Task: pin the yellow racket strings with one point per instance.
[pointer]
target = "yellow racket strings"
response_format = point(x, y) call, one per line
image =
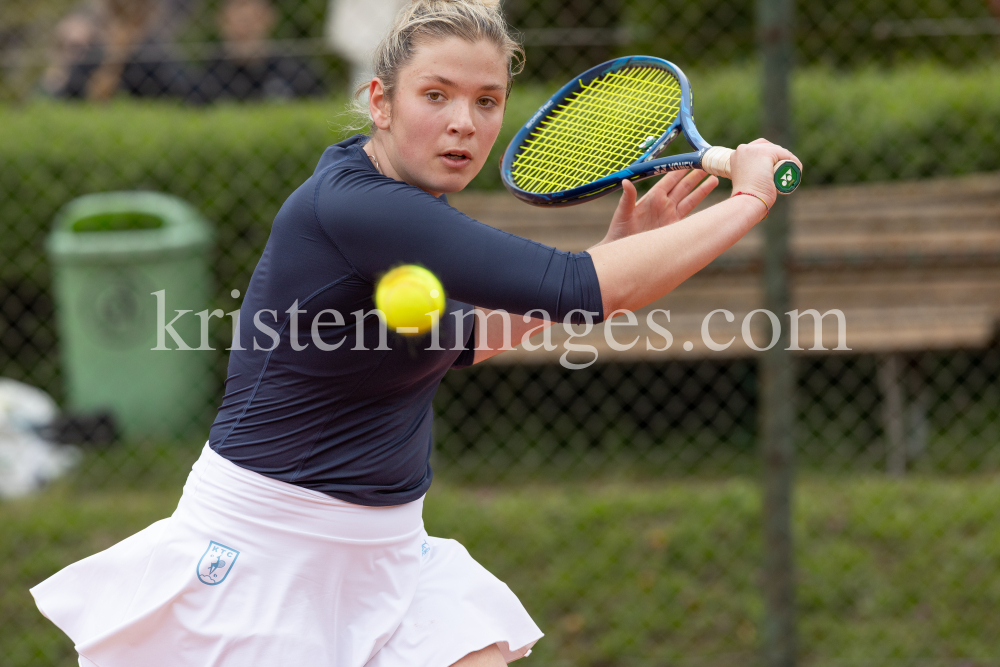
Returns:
point(598, 130)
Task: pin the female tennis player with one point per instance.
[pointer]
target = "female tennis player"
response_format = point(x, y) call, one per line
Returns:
point(298, 539)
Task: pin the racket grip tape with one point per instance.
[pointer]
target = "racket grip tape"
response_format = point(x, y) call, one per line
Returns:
point(787, 174)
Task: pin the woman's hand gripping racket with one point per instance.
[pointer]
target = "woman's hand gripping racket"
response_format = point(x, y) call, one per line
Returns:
point(610, 124)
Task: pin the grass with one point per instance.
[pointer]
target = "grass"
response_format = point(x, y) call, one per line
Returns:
point(891, 572)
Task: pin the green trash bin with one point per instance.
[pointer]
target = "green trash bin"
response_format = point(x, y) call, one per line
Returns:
point(124, 264)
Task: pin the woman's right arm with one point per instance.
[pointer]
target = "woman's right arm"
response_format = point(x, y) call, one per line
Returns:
point(636, 270)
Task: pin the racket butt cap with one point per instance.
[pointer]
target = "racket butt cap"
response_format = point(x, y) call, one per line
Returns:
point(787, 177)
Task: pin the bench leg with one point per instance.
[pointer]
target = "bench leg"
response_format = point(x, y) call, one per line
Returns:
point(916, 411)
point(890, 367)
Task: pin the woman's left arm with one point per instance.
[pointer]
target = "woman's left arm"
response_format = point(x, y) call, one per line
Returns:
point(673, 197)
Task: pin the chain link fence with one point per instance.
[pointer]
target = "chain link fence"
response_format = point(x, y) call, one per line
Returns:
point(619, 500)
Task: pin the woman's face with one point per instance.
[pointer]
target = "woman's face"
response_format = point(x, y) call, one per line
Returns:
point(445, 114)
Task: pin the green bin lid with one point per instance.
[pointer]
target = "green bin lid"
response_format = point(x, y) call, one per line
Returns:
point(110, 226)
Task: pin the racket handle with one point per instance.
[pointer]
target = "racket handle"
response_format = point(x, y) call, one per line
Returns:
point(787, 174)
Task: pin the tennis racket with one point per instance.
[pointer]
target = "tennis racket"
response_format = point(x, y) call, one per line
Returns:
point(610, 124)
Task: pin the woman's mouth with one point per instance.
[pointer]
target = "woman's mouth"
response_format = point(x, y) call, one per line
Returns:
point(456, 158)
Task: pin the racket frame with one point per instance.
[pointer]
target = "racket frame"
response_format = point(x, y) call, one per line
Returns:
point(646, 166)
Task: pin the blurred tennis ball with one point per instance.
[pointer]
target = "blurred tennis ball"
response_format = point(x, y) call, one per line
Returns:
point(410, 295)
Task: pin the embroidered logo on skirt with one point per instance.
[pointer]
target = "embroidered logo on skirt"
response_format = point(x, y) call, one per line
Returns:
point(216, 563)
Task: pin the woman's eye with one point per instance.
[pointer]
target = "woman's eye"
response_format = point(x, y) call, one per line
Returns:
point(434, 97)
point(486, 102)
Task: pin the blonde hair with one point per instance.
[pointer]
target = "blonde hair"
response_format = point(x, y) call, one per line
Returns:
point(471, 20)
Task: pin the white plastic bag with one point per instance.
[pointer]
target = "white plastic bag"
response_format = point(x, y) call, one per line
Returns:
point(27, 461)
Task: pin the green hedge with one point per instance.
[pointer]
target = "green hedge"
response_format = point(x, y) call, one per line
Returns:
point(839, 33)
point(831, 32)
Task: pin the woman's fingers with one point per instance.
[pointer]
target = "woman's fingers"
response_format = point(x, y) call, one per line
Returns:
point(623, 222)
point(687, 184)
point(626, 205)
point(673, 197)
point(688, 204)
point(784, 154)
point(667, 183)
point(671, 189)
point(780, 152)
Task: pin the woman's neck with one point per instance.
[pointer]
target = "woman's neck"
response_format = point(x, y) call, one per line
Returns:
point(376, 153)
point(379, 157)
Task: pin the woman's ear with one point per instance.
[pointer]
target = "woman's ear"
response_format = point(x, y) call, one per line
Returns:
point(378, 104)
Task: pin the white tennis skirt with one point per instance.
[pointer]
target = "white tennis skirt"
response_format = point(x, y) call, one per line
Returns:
point(252, 571)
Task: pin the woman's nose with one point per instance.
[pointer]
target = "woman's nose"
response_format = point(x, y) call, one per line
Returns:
point(461, 120)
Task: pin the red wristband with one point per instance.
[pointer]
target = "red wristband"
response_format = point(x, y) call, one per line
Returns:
point(766, 207)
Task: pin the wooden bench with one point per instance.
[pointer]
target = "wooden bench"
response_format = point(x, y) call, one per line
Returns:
point(913, 266)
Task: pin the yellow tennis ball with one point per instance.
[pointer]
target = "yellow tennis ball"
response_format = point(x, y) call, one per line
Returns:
point(410, 296)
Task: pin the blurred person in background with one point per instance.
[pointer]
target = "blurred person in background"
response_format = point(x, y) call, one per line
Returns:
point(130, 46)
point(105, 46)
point(246, 69)
point(127, 22)
point(75, 53)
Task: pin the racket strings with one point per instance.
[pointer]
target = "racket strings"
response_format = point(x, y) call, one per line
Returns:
point(599, 130)
point(610, 135)
point(589, 130)
point(584, 164)
point(602, 111)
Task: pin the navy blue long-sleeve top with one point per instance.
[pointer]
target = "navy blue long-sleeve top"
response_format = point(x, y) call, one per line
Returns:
point(355, 421)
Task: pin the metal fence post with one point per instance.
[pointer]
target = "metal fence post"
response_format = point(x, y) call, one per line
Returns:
point(777, 374)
